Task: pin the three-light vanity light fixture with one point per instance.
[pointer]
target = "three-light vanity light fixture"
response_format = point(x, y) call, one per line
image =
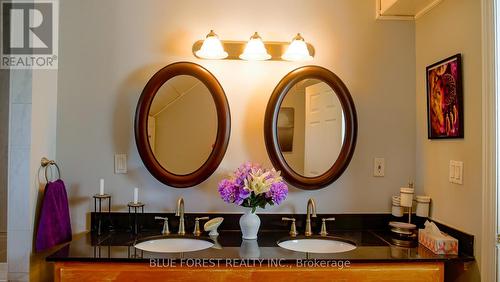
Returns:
point(255, 49)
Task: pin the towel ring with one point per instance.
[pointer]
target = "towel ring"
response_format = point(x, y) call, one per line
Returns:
point(46, 163)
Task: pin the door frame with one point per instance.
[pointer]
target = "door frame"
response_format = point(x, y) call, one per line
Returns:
point(488, 260)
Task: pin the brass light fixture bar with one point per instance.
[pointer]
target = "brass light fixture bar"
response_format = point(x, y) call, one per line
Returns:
point(234, 49)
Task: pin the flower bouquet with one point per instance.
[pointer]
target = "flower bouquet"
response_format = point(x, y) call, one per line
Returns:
point(252, 186)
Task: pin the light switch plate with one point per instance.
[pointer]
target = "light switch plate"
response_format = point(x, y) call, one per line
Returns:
point(379, 167)
point(459, 172)
point(451, 173)
point(456, 172)
point(120, 163)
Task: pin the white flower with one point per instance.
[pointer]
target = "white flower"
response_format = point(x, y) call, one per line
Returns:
point(276, 176)
point(258, 183)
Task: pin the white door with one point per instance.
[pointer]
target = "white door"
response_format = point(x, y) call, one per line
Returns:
point(323, 129)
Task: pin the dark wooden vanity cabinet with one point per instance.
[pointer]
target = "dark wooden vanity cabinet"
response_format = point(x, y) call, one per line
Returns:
point(87, 271)
point(113, 257)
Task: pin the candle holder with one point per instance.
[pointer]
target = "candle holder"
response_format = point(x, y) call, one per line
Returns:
point(135, 207)
point(98, 198)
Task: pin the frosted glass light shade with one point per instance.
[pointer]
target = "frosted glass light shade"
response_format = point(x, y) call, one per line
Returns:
point(255, 50)
point(211, 48)
point(297, 51)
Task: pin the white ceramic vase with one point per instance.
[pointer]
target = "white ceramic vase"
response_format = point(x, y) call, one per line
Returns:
point(249, 225)
point(249, 249)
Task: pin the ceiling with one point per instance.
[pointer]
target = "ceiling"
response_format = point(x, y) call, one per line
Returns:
point(171, 91)
point(404, 9)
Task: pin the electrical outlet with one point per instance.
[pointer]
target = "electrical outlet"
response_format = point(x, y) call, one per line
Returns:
point(120, 163)
point(379, 167)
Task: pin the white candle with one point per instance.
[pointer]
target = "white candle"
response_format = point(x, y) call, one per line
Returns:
point(136, 195)
point(101, 186)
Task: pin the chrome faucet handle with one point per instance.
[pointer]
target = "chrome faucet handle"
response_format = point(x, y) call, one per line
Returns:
point(197, 231)
point(165, 230)
point(323, 225)
point(293, 228)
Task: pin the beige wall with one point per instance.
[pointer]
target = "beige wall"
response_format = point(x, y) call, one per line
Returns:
point(454, 26)
point(43, 144)
point(109, 50)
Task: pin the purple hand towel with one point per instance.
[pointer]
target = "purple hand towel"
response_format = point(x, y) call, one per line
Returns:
point(54, 226)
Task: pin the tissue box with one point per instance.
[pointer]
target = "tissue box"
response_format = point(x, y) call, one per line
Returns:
point(441, 245)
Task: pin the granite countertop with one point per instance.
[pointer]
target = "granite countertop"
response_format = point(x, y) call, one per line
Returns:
point(372, 246)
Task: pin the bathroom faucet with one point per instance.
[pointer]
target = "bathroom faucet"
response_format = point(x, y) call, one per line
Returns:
point(323, 225)
point(311, 211)
point(197, 230)
point(165, 230)
point(180, 213)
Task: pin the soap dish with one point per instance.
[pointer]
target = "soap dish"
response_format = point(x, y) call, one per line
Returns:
point(212, 225)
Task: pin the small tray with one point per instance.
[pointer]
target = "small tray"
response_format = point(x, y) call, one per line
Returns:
point(103, 196)
point(401, 231)
point(402, 225)
point(135, 205)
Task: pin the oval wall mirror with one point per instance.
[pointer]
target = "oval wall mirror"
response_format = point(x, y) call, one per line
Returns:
point(310, 127)
point(182, 124)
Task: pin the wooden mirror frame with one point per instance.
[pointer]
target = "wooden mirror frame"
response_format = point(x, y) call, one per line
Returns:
point(270, 127)
point(223, 125)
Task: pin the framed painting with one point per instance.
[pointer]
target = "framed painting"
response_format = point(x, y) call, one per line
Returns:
point(445, 113)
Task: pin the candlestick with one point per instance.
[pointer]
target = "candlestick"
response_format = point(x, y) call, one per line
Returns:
point(101, 186)
point(136, 195)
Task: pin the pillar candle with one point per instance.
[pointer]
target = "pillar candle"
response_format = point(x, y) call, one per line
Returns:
point(136, 195)
point(101, 186)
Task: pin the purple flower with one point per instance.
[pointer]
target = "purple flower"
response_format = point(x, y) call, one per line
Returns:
point(249, 181)
point(278, 192)
point(231, 192)
point(241, 195)
point(227, 190)
point(243, 172)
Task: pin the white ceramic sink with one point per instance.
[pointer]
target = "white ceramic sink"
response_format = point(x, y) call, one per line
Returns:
point(174, 245)
point(317, 245)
